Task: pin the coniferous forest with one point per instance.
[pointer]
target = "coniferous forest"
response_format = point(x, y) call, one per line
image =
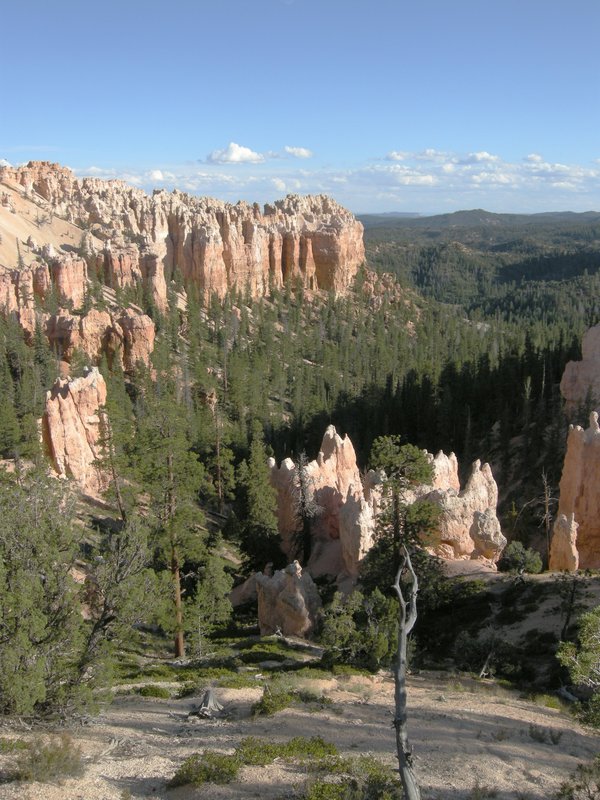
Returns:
point(453, 337)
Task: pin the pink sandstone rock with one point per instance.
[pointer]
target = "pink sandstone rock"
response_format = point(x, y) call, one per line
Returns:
point(288, 601)
point(581, 379)
point(71, 429)
point(128, 336)
point(579, 500)
point(335, 480)
point(213, 244)
point(564, 556)
point(468, 526)
point(70, 280)
point(343, 532)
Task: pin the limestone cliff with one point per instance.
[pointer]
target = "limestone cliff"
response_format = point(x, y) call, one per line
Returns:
point(213, 244)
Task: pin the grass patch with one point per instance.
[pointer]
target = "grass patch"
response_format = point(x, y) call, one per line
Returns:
point(12, 745)
point(154, 691)
point(272, 701)
point(366, 778)
point(206, 768)
point(210, 767)
point(276, 697)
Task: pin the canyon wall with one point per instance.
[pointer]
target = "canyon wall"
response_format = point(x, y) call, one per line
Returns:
point(213, 244)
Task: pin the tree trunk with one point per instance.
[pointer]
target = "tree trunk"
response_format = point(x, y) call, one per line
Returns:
point(407, 616)
point(179, 644)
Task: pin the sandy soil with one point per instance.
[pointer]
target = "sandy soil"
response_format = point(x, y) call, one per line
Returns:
point(463, 732)
point(30, 216)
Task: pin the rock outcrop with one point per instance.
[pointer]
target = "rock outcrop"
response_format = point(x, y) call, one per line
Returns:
point(288, 602)
point(340, 539)
point(564, 556)
point(580, 382)
point(468, 526)
point(213, 244)
point(577, 536)
point(127, 336)
point(342, 533)
point(71, 429)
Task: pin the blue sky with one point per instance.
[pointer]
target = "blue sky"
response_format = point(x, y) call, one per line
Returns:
point(387, 105)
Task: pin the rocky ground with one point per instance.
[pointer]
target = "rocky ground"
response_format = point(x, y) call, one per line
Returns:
point(465, 734)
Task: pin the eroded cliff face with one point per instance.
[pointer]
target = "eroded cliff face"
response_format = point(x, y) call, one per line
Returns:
point(214, 245)
point(71, 429)
point(576, 534)
point(343, 531)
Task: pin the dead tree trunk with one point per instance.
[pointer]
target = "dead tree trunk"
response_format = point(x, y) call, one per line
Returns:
point(407, 616)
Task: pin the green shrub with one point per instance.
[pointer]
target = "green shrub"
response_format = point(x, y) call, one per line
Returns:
point(584, 784)
point(272, 701)
point(367, 779)
point(49, 762)
point(257, 752)
point(154, 691)
point(517, 558)
point(206, 767)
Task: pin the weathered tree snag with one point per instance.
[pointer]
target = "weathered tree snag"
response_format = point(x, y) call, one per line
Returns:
point(407, 616)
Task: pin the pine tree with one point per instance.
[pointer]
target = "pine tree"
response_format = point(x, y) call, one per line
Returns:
point(172, 475)
point(259, 534)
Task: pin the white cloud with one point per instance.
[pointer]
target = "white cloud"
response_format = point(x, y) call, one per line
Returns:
point(5, 163)
point(478, 158)
point(397, 155)
point(427, 180)
point(235, 154)
point(298, 152)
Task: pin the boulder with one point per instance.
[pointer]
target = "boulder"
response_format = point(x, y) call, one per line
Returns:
point(288, 602)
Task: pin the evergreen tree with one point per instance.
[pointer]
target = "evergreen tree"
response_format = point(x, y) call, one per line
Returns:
point(172, 475)
point(259, 533)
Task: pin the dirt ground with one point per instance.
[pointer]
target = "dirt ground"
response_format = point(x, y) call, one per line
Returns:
point(463, 733)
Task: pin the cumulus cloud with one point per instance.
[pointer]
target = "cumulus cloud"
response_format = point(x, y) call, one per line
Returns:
point(235, 154)
point(298, 152)
point(426, 180)
point(5, 163)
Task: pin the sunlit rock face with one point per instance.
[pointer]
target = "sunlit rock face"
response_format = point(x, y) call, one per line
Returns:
point(71, 429)
point(348, 506)
point(213, 244)
point(576, 535)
